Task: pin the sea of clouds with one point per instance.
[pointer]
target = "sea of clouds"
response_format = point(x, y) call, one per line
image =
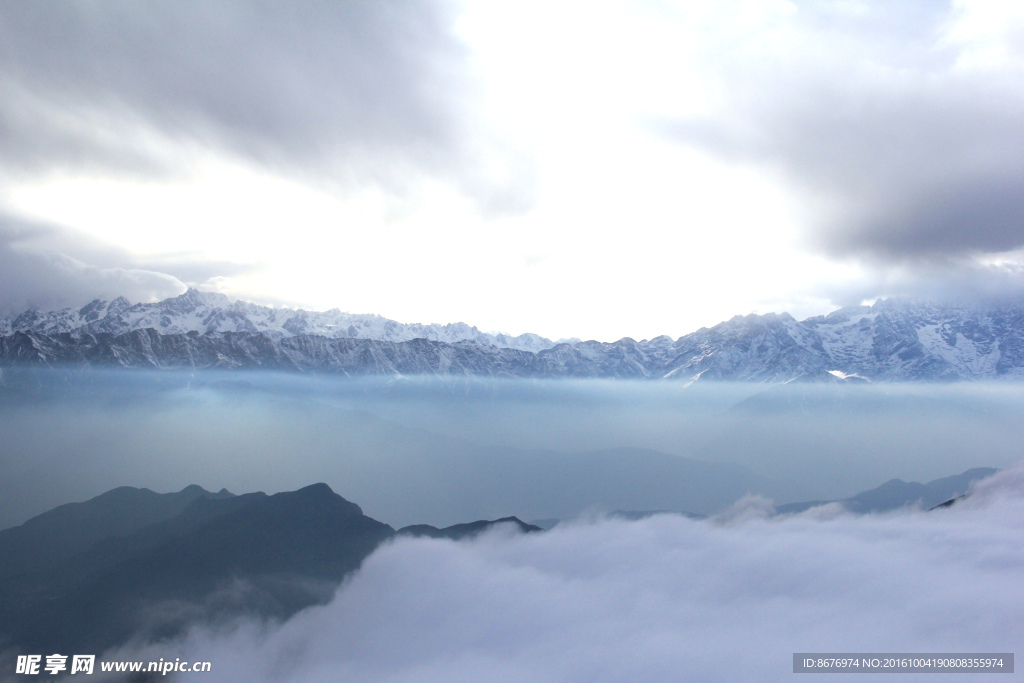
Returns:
point(666, 598)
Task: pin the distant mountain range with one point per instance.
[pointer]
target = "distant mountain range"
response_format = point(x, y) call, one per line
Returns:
point(896, 493)
point(892, 495)
point(893, 340)
point(210, 312)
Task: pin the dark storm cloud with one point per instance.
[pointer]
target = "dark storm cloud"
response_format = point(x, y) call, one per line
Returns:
point(350, 90)
point(901, 152)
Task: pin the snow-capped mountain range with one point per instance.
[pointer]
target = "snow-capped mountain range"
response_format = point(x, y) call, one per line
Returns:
point(206, 312)
point(893, 340)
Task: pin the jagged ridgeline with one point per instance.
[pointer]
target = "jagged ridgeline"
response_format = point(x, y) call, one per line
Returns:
point(134, 563)
point(893, 340)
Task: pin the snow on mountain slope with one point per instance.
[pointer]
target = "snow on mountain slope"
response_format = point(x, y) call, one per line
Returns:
point(206, 312)
point(900, 339)
point(893, 340)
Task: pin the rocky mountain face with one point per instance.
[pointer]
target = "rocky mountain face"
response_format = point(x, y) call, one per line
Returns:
point(893, 340)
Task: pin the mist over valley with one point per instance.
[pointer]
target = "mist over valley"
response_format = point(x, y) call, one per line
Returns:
point(443, 452)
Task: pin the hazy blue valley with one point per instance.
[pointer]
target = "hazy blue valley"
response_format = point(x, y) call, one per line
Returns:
point(447, 451)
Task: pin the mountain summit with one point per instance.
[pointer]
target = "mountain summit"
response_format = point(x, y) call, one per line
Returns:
point(182, 559)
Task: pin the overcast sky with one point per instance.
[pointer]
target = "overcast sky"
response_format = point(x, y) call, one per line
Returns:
point(592, 169)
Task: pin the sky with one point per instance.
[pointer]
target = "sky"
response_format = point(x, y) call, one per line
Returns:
point(592, 170)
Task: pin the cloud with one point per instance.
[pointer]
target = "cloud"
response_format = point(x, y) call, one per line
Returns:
point(659, 599)
point(47, 267)
point(358, 91)
point(952, 279)
point(1004, 484)
point(901, 125)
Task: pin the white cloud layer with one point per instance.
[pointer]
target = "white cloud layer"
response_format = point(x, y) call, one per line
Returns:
point(661, 599)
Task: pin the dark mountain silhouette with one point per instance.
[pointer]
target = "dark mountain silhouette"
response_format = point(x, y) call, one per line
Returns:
point(134, 564)
point(53, 536)
point(469, 530)
point(948, 504)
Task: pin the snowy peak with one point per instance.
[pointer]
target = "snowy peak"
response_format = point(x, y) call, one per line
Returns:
point(211, 312)
point(193, 299)
point(908, 339)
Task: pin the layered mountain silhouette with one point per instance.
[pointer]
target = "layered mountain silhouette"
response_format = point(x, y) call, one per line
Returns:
point(896, 493)
point(50, 538)
point(134, 564)
point(892, 495)
point(131, 563)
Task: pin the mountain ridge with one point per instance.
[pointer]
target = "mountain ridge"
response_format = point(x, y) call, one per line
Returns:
point(212, 558)
point(892, 340)
point(206, 312)
point(896, 493)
